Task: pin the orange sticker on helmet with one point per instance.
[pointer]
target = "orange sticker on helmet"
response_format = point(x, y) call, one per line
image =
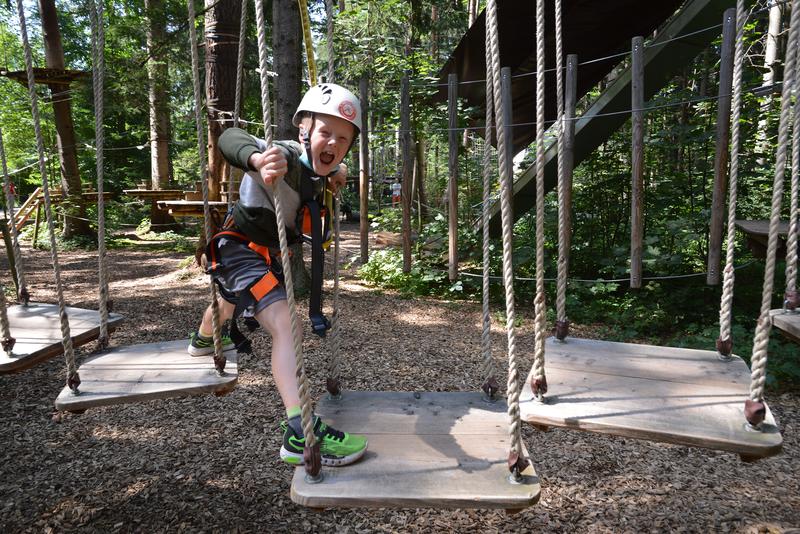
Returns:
point(347, 110)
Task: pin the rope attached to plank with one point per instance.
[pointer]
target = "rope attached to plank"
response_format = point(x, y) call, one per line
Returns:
point(311, 453)
point(755, 408)
point(219, 357)
point(73, 380)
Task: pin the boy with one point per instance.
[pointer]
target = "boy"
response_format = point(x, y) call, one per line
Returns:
point(244, 258)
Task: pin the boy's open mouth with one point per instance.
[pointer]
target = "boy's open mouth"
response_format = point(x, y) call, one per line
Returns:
point(326, 158)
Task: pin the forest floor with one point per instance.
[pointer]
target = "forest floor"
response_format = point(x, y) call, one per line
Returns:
point(211, 463)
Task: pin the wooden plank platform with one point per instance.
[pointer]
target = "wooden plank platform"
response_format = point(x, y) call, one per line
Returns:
point(191, 208)
point(37, 329)
point(155, 194)
point(757, 233)
point(146, 372)
point(428, 449)
point(788, 323)
point(667, 394)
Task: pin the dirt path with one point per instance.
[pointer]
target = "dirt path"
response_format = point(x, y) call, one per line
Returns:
point(211, 464)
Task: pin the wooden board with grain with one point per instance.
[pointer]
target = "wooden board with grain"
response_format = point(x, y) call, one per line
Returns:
point(147, 372)
point(788, 323)
point(426, 449)
point(37, 330)
point(667, 394)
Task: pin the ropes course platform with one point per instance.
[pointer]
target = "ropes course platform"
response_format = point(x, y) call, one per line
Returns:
point(788, 323)
point(146, 372)
point(757, 233)
point(37, 330)
point(432, 450)
point(666, 394)
point(191, 208)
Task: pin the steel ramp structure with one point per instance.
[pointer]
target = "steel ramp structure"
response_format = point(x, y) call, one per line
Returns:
point(426, 450)
point(667, 394)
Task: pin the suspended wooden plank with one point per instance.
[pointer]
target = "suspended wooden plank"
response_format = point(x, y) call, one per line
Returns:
point(757, 233)
point(788, 323)
point(667, 394)
point(146, 372)
point(37, 329)
point(429, 449)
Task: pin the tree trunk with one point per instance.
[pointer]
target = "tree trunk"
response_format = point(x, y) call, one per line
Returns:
point(772, 74)
point(72, 202)
point(287, 49)
point(158, 98)
point(222, 44)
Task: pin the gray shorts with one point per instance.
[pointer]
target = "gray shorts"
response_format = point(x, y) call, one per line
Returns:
point(238, 268)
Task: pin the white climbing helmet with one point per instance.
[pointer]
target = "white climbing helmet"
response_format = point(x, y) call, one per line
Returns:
point(330, 99)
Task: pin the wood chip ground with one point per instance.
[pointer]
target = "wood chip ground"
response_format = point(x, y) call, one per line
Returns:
point(210, 464)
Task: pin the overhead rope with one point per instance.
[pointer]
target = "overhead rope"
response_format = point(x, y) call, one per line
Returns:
point(538, 378)
point(490, 384)
point(237, 106)
point(516, 459)
point(311, 454)
point(791, 300)
point(725, 342)
point(307, 39)
point(98, 76)
point(755, 409)
point(564, 230)
point(219, 357)
point(22, 289)
point(73, 380)
point(333, 382)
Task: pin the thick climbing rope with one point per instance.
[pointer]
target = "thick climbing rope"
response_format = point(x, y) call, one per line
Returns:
point(73, 380)
point(219, 357)
point(490, 385)
point(516, 460)
point(237, 106)
point(725, 343)
point(311, 453)
point(307, 39)
point(562, 324)
point(6, 341)
point(22, 293)
point(98, 76)
point(791, 297)
point(755, 409)
point(538, 379)
point(333, 382)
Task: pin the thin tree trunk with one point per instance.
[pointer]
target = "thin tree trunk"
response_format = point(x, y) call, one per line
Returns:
point(157, 75)
point(73, 203)
point(222, 44)
point(772, 74)
point(287, 47)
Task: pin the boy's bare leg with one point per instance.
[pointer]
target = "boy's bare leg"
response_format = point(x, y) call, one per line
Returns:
point(225, 313)
point(276, 320)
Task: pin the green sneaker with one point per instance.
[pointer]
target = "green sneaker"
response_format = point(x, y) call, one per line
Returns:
point(202, 346)
point(336, 448)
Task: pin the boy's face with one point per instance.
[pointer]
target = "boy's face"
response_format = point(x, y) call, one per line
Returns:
point(330, 139)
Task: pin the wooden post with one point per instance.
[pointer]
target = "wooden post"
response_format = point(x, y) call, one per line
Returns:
point(637, 159)
point(12, 260)
point(568, 157)
point(36, 223)
point(363, 169)
point(722, 154)
point(452, 183)
point(405, 147)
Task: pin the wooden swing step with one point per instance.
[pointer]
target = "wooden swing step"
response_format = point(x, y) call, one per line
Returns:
point(788, 323)
point(37, 330)
point(427, 449)
point(666, 394)
point(147, 372)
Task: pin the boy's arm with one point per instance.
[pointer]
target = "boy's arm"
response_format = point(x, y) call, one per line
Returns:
point(237, 146)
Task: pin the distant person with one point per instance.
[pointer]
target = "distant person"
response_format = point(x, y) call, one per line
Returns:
point(396, 189)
